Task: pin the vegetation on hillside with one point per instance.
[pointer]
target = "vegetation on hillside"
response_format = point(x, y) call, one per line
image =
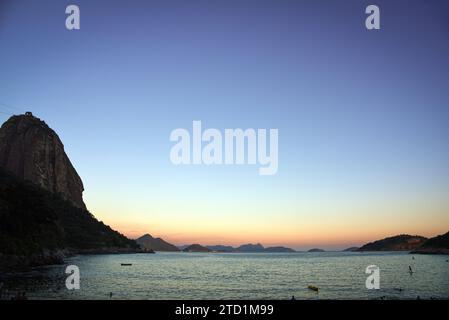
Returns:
point(33, 219)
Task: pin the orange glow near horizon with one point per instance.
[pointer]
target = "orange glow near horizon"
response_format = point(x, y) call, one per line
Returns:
point(303, 223)
point(325, 236)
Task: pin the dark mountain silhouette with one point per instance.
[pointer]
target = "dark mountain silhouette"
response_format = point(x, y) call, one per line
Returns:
point(316, 250)
point(42, 216)
point(441, 241)
point(403, 242)
point(221, 248)
point(279, 249)
point(157, 244)
point(435, 245)
point(250, 248)
point(350, 249)
point(196, 248)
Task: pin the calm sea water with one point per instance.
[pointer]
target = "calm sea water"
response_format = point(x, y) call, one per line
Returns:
point(239, 276)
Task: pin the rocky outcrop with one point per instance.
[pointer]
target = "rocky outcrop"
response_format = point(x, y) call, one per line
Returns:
point(42, 214)
point(33, 152)
point(13, 262)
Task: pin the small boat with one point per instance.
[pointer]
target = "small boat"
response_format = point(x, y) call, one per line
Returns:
point(126, 264)
point(313, 288)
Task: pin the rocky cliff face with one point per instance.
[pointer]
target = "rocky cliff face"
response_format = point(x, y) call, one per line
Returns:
point(32, 151)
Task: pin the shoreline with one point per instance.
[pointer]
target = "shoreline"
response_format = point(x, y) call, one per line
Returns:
point(18, 263)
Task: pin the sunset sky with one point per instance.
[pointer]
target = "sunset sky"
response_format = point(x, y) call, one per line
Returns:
point(362, 115)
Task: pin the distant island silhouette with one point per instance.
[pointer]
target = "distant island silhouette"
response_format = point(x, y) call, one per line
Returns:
point(316, 250)
point(157, 244)
point(196, 248)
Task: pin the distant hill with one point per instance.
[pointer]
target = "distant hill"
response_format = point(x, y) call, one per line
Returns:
point(402, 242)
point(350, 249)
point(251, 248)
point(196, 248)
point(435, 245)
point(316, 250)
point(157, 244)
point(221, 248)
point(279, 249)
point(248, 248)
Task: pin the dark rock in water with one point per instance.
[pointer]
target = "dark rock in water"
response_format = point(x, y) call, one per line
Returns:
point(196, 248)
point(18, 262)
point(402, 242)
point(32, 151)
point(316, 250)
point(157, 244)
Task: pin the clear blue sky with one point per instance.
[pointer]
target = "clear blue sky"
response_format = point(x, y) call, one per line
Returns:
point(362, 115)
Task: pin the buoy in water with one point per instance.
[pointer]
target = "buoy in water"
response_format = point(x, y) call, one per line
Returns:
point(313, 288)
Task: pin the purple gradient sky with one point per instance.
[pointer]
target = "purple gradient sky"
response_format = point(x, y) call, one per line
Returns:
point(362, 115)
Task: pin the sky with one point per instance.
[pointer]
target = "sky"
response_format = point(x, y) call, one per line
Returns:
point(362, 115)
